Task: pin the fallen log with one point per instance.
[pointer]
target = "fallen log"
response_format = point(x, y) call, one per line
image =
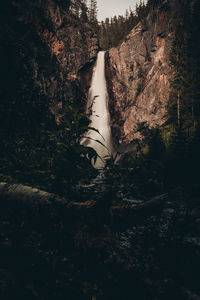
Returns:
point(35, 199)
point(18, 193)
point(130, 212)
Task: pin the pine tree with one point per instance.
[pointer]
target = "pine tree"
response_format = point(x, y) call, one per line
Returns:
point(84, 11)
point(185, 85)
point(93, 12)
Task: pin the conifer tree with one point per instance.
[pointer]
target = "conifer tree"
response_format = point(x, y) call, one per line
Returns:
point(93, 12)
point(185, 85)
point(84, 11)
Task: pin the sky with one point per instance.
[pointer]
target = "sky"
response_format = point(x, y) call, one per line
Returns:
point(109, 8)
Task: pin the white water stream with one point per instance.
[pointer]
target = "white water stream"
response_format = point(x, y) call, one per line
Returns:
point(100, 117)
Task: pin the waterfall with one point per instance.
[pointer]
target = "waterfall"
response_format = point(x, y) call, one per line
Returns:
point(100, 117)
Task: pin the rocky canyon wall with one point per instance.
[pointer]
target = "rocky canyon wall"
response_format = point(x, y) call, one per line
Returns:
point(43, 52)
point(138, 74)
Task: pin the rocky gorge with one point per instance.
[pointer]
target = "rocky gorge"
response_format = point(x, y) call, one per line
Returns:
point(68, 230)
point(57, 63)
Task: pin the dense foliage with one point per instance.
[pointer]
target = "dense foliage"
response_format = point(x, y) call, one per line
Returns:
point(183, 132)
point(54, 253)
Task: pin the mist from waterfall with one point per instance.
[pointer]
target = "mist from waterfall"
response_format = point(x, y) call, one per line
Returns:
point(100, 117)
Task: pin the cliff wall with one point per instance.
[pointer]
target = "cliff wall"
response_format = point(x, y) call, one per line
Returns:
point(138, 74)
point(43, 52)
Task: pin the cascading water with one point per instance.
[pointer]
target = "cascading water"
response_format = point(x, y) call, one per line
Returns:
point(100, 117)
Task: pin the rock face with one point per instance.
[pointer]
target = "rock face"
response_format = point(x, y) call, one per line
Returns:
point(73, 46)
point(138, 74)
point(43, 52)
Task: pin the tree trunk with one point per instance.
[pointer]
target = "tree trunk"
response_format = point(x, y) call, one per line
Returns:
point(37, 200)
point(18, 193)
point(130, 214)
point(178, 111)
